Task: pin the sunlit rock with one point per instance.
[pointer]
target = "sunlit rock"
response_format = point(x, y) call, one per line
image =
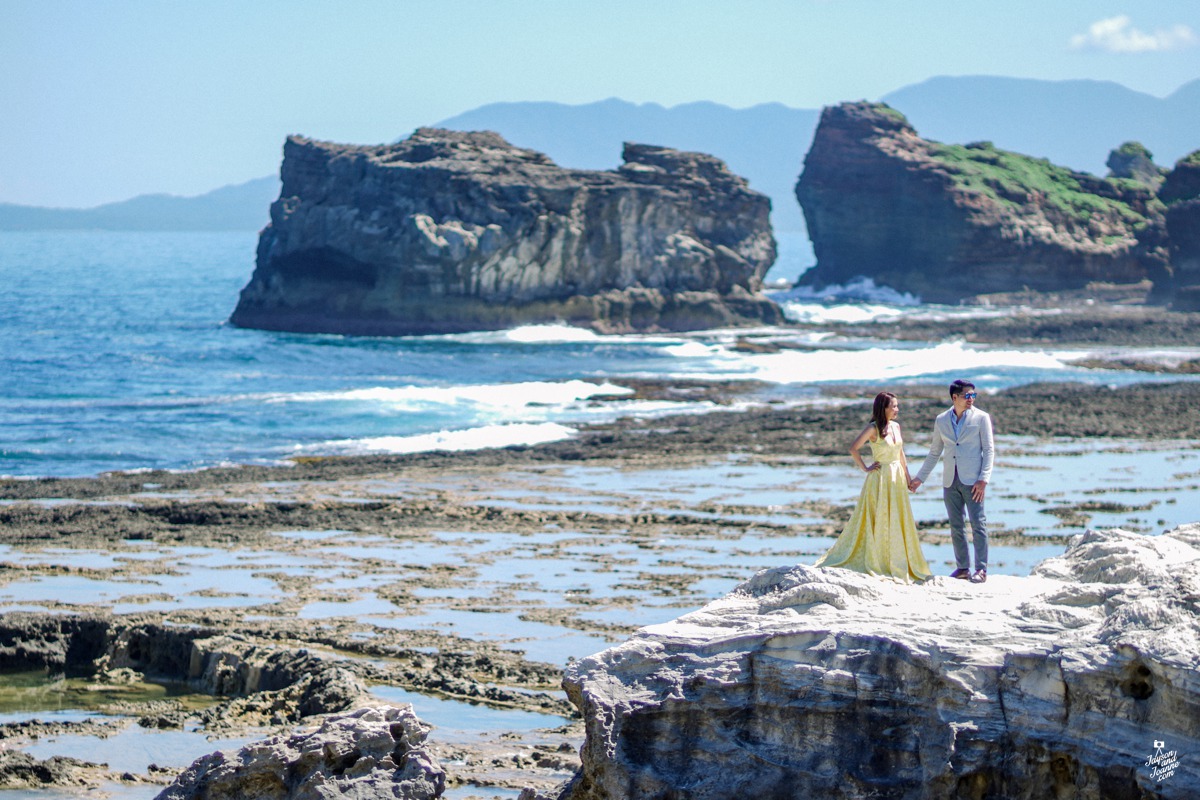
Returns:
point(448, 231)
point(808, 682)
point(951, 221)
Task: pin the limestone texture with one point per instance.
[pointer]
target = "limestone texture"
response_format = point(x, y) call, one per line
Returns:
point(1078, 681)
point(948, 222)
point(372, 752)
point(1181, 193)
point(449, 231)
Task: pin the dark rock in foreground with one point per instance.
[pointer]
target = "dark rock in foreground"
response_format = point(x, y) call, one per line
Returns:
point(448, 232)
point(1078, 681)
point(374, 752)
point(947, 222)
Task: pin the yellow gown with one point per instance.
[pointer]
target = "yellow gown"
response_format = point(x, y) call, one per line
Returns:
point(881, 536)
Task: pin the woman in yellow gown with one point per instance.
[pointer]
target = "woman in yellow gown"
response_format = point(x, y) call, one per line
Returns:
point(881, 536)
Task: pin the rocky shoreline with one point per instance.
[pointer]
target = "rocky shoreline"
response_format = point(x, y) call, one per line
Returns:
point(513, 493)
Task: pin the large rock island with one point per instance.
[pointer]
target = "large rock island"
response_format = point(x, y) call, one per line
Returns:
point(1078, 681)
point(450, 231)
point(1181, 193)
point(946, 221)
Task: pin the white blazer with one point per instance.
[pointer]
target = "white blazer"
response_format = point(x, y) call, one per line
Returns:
point(971, 453)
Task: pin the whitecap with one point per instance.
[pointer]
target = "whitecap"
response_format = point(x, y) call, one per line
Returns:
point(479, 438)
point(819, 313)
point(863, 290)
point(881, 364)
point(498, 395)
point(551, 333)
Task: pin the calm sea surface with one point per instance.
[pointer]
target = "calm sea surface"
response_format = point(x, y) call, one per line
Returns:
point(116, 354)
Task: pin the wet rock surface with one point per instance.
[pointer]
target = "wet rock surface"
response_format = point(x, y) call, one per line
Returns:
point(822, 682)
point(376, 752)
point(450, 231)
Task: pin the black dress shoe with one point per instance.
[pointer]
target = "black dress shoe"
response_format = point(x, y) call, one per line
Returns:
point(961, 573)
point(980, 576)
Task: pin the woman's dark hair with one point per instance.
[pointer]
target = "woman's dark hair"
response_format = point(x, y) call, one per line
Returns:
point(879, 411)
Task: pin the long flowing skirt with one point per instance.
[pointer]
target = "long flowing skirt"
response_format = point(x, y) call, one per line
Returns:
point(881, 536)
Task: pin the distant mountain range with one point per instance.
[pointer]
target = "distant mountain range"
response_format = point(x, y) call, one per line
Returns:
point(765, 144)
point(1074, 123)
point(245, 206)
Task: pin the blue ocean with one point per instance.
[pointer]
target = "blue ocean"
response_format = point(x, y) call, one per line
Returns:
point(117, 354)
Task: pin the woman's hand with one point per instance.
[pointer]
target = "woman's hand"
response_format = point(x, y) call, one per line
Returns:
point(872, 468)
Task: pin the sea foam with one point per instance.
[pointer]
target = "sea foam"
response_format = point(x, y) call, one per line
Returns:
point(501, 395)
point(849, 365)
point(482, 437)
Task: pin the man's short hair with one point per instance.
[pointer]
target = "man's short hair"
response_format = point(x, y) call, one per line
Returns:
point(960, 386)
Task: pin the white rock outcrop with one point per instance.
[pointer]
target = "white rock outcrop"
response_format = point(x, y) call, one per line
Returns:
point(1079, 681)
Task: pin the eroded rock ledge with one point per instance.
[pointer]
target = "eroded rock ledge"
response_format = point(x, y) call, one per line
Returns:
point(449, 231)
point(810, 682)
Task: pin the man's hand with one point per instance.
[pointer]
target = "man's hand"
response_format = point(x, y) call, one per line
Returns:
point(977, 491)
point(914, 484)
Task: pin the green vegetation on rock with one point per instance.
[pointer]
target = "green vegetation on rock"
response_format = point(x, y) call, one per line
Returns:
point(1014, 180)
point(888, 111)
point(1133, 150)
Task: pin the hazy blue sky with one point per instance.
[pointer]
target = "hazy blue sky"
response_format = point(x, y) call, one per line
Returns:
point(105, 100)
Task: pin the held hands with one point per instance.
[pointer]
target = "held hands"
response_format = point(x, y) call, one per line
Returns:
point(914, 484)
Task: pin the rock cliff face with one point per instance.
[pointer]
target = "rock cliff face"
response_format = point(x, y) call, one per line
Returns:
point(451, 231)
point(1181, 193)
point(809, 682)
point(947, 222)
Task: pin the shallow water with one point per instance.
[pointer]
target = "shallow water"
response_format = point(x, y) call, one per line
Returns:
point(135, 748)
point(455, 720)
point(607, 579)
point(556, 594)
point(115, 791)
point(69, 699)
point(487, 793)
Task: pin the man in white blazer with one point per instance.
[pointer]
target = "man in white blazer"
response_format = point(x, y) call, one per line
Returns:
point(962, 439)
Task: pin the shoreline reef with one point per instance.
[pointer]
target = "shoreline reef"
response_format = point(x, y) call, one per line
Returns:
point(353, 519)
point(462, 516)
point(764, 424)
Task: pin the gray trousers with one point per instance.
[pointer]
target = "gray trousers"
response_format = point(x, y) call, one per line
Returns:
point(958, 505)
